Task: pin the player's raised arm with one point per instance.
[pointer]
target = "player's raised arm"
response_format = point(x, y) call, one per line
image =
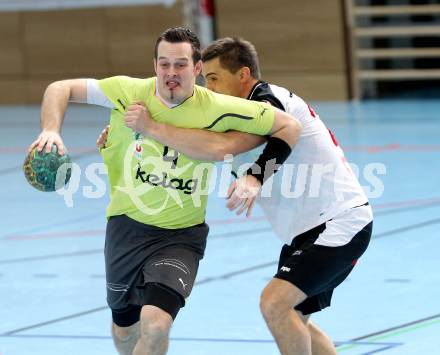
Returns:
point(55, 100)
point(208, 145)
point(195, 143)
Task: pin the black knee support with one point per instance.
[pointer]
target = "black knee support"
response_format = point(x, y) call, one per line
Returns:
point(157, 295)
point(164, 298)
point(127, 316)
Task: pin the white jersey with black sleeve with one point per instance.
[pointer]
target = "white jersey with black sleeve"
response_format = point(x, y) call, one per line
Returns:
point(315, 184)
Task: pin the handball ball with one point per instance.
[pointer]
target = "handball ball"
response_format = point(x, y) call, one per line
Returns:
point(47, 171)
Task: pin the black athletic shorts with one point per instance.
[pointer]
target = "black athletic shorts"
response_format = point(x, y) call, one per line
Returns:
point(317, 269)
point(137, 255)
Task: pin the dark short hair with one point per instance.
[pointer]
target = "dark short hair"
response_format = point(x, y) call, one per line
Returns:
point(234, 53)
point(180, 34)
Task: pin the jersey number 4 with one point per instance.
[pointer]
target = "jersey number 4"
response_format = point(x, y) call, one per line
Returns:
point(170, 155)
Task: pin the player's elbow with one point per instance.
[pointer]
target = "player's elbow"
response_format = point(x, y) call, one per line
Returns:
point(297, 126)
point(56, 87)
point(74, 90)
point(292, 131)
point(286, 127)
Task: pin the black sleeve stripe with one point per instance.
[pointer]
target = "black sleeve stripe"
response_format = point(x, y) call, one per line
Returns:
point(217, 120)
point(123, 106)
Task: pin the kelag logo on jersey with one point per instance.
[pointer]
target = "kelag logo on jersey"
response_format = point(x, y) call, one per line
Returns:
point(157, 170)
point(188, 187)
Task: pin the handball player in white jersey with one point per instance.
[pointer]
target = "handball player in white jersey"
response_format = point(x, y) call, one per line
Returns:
point(315, 203)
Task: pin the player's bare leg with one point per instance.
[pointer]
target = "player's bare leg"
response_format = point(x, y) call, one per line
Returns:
point(125, 338)
point(290, 332)
point(154, 330)
point(321, 342)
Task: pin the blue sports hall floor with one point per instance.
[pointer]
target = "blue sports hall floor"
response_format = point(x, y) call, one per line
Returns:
point(52, 283)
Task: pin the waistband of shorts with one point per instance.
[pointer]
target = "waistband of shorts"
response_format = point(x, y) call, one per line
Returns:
point(311, 234)
point(152, 227)
point(315, 231)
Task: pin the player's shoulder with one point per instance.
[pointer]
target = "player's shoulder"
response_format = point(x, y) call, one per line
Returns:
point(127, 88)
point(206, 96)
point(282, 92)
point(139, 87)
point(265, 92)
point(265, 89)
point(128, 81)
point(138, 81)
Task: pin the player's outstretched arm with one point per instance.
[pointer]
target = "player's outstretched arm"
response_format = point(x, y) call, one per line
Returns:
point(195, 143)
point(207, 145)
point(53, 107)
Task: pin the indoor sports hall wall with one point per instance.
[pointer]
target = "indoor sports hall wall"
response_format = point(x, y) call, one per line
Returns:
point(40, 47)
point(299, 47)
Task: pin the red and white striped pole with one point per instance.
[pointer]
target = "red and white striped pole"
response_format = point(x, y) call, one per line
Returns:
point(199, 15)
point(207, 24)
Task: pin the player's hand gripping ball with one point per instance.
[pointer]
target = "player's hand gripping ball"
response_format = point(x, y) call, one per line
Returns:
point(47, 171)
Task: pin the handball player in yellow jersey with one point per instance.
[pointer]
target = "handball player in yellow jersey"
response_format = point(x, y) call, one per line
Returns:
point(156, 234)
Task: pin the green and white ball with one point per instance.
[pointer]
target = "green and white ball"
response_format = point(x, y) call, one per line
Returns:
point(41, 169)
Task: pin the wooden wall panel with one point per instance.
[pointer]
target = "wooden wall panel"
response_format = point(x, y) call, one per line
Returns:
point(311, 86)
point(291, 36)
point(11, 56)
point(132, 34)
point(37, 48)
point(13, 91)
point(300, 44)
point(65, 42)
